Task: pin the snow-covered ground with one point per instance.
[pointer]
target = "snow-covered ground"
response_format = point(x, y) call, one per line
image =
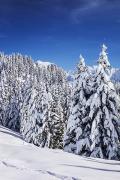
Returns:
point(22, 161)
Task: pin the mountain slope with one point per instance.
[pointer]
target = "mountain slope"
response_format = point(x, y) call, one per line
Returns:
point(19, 160)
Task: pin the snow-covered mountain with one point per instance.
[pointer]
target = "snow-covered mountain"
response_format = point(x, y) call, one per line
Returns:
point(22, 161)
point(43, 63)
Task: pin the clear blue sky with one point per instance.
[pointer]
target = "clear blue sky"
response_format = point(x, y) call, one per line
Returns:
point(59, 30)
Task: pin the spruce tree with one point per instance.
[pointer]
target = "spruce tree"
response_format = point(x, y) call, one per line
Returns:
point(75, 139)
point(56, 125)
point(105, 133)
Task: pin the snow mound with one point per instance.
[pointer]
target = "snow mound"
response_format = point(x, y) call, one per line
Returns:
point(20, 160)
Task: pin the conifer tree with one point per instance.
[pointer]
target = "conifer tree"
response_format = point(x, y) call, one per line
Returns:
point(4, 95)
point(56, 125)
point(77, 120)
point(105, 132)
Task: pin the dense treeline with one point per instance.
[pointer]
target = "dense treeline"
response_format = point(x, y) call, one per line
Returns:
point(34, 99)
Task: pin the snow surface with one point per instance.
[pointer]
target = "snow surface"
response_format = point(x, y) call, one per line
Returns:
point(22, 161)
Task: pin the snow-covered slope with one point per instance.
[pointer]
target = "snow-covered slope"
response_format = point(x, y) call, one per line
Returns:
point(22, 161)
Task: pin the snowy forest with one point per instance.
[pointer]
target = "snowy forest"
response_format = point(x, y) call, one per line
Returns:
point(80, 116)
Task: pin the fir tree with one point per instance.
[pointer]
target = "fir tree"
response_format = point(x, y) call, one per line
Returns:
point(56, 125)
point(105, 133)
point(75, 139)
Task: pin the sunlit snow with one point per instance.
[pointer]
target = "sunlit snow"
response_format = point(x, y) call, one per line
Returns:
point(22, 161)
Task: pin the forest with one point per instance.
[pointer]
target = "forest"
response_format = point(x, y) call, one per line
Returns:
point(81, 115)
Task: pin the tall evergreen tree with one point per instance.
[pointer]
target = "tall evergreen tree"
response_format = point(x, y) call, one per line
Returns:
point(56, 125)
point(34, 114)
point(105, 132)
point(75, 139)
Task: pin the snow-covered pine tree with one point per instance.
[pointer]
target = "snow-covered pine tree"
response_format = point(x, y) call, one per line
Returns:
point(44, 123)
point(105, 132)
point(12, 115)
point(76, 136)
point(34, 114)
point(26, 124)
point(56, 123)
point(58, 88)
point(4, 94)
